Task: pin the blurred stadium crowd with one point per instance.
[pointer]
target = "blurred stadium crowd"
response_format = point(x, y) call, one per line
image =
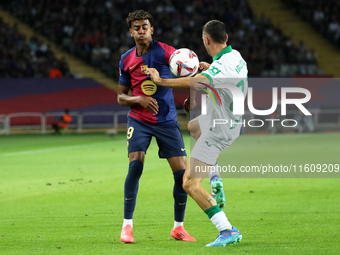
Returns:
point(32, 58)
point(96, 31)
point(323, 14)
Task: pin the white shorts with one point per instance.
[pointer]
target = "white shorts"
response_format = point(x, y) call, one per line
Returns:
point(212, 141)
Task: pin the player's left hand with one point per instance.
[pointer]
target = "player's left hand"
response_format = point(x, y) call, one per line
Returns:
point(203, 66)
point(154, 75)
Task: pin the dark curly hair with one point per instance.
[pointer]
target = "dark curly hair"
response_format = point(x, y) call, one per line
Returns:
point(138, 15)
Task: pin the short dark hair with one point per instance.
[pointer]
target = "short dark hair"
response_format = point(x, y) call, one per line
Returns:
point(138, 15)
point(216, 30)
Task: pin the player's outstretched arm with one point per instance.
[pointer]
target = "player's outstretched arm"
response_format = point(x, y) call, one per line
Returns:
point(178, 83)
point(124, 99)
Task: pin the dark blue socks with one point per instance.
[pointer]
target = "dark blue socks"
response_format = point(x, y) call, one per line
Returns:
point(131, 187)
point(180, 196)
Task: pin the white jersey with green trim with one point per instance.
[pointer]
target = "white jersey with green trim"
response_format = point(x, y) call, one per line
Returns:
point(228, 67)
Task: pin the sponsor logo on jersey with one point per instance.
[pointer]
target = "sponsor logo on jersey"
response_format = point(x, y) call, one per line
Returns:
point(214, 70)
point(148, 87)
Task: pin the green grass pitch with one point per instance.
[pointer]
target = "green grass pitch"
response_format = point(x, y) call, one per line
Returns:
point(64, 195)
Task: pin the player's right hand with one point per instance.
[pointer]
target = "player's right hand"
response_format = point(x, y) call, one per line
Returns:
point(150, 104)
point(204, 66)
point(189, 104)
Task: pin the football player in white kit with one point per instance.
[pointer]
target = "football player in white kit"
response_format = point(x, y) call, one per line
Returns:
point(228, 67)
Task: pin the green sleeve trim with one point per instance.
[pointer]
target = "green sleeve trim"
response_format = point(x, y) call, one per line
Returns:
point(209, 77)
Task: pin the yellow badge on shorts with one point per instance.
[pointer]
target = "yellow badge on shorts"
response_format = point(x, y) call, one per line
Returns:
point(148, 87)
point(143, 69)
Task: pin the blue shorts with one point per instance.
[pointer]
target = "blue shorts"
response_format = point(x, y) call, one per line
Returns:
point(169, 138)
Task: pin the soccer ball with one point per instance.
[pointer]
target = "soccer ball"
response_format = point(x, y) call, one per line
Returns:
point(184, 63)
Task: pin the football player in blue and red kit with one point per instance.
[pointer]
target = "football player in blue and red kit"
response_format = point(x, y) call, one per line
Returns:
point(153, 113)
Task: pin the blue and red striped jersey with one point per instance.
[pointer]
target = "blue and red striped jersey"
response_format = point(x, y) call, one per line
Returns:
point(132, 74)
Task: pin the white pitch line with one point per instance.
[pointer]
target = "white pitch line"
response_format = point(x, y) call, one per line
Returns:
point(19, 153)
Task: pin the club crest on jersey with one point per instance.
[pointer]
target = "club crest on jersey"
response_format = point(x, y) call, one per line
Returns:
point(143, 69)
